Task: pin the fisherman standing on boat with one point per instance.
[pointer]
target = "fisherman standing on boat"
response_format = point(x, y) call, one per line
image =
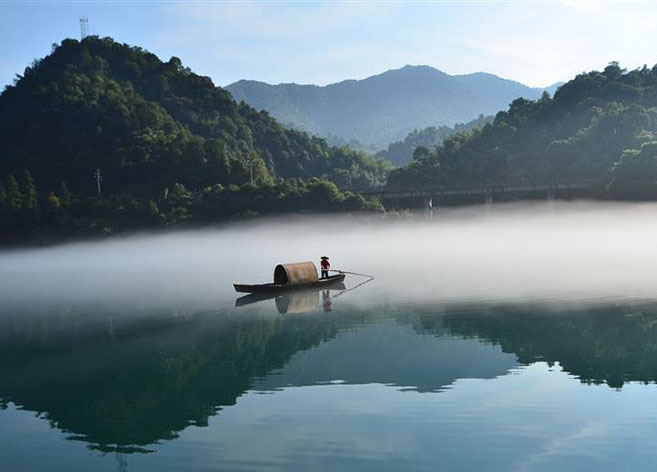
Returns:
point(326, 265)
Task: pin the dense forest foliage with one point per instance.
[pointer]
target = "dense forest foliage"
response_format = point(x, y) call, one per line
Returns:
point(164, 139)
point(401, 152)
point(600, 126)
point(375, 111)
point(23, 214)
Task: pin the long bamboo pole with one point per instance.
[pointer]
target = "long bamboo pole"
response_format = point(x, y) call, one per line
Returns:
point(352, 273)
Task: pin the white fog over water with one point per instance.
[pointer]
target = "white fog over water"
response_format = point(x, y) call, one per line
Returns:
point(553, 251)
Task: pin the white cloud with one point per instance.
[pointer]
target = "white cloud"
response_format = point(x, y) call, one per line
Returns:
point(570, 445)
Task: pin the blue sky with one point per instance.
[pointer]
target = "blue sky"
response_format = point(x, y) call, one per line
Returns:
point(534, 42)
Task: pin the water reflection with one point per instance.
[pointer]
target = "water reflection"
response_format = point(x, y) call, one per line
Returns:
point(124, 383)
point(608, 344)
point(297, 301)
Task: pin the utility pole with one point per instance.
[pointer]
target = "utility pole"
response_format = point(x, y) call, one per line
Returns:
point(249, 162)
point(99, 178)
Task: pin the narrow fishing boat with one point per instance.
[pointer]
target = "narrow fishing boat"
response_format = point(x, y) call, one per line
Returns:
point(251, 298)
point(300, 275)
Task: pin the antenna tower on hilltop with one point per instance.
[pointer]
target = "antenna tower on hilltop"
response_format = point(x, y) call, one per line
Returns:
point(84, 26)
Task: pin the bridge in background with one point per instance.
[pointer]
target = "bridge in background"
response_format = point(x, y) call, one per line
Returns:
point(489, 192)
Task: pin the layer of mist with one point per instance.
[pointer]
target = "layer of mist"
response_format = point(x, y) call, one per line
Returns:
point(554, 252)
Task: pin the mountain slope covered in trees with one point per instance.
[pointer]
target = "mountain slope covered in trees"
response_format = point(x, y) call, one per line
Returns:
point(170, 145)
point(401, 152)
point(384, 108)
point(600, 125)
point(99, 103)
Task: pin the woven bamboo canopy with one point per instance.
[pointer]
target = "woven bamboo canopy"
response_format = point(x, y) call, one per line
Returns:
point(295, 274)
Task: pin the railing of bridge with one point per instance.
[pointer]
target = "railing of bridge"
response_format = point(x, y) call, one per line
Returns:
point(483, 189)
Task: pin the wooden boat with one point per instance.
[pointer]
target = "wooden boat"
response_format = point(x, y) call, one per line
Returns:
point(274, 287)
point(297, 276)
point(256, 297)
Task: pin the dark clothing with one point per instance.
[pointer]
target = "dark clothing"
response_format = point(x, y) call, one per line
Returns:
point(325, 274)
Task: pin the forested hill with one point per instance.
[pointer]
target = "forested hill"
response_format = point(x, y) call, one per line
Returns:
point(386, 107)
point(600, 125)
point(401, 152)
point(167, 142)
point(148, 124)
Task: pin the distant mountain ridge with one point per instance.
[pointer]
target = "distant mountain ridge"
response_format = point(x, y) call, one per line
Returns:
point(386, 107)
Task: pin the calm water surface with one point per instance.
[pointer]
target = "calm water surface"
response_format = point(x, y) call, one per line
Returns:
point(513, 339)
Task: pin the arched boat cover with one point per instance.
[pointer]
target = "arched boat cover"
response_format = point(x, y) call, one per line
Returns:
point(295, 274)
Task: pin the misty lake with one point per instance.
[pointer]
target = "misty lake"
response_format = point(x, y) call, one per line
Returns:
point(503, 338)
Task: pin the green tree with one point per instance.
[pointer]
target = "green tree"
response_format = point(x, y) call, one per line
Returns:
point(421, 153)
point(30, 194)
point(14, 194)
point(634, 176)
point(53, 201)
point(3, 198)
point(64, 194)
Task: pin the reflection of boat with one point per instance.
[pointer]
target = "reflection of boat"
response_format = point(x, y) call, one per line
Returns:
point(298, 302)
point(297, 276)
point(289, 298)
point(258, 297)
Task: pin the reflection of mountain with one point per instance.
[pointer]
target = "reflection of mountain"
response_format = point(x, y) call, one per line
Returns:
point(126, 381)
point(124, 389)
point(122, 382)
point(612, 345)
point(391, 353)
